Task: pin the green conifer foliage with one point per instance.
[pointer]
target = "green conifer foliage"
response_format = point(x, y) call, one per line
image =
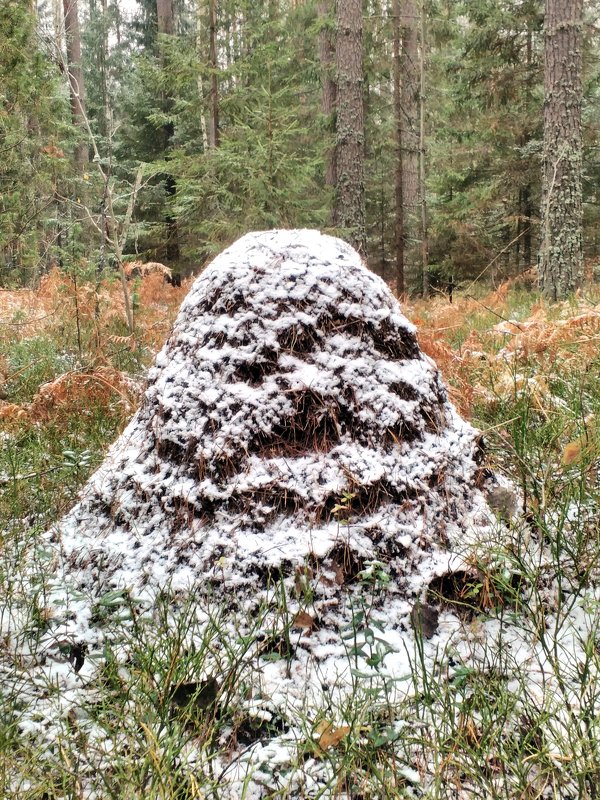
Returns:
point(33, 129)
point(267, 170)
point(486, 136)
point(262, 69)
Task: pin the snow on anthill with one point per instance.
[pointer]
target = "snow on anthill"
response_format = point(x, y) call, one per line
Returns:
point(291, 380)
point(293, 442)
point(290, 417)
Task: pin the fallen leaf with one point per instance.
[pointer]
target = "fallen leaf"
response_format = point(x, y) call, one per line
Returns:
point(304, 620)
point(331, 737)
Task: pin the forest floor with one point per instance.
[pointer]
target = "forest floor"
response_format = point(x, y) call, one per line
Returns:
point(525, 373)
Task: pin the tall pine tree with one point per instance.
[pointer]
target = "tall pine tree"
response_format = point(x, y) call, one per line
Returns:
point(561, 248)
point(350, 131)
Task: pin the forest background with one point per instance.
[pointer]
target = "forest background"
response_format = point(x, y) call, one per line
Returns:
point(161, 131)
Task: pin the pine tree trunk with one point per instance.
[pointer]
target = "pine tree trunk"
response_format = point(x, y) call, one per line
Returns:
point(561, 251)
point(422, 164)
point(57, 20)
point(76, 85)
point(165, 17)
point(328, 92)
point(527, 236)
point(410, 141)
point(100, 46)
point(213, 122)
point(104, 54)
point(349, 210)
point(166, 27)
point(399, 244)
point(200, 80)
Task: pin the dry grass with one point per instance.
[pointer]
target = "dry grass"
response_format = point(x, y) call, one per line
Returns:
point(89, 319)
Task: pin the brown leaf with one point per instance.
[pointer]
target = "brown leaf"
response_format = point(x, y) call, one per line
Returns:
point(331, 737)
point(339, 573)
point(304, 620)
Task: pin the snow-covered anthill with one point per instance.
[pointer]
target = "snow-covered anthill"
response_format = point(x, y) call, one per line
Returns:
point(293, 441)
point(290, 417)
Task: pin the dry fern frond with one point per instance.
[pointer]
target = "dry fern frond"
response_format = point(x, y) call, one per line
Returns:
point(12, 414)
point(125, 341)
point(73, 391)
point(142, 269)
point(450, 363)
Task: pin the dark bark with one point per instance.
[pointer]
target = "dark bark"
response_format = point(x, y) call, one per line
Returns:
point(422, 166)
point(399, 243)
point(166, 27)
point(561, 252)
point(100, 46)
point(349, 210)
point(410, 88)
point(76, 84)
point(213, 121)
point(165, 17)
point(527, 221)
point(329, 89)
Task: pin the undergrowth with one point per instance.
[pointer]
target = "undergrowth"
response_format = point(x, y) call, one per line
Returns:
point(482, 724)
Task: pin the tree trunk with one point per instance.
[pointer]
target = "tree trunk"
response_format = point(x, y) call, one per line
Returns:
point(200, 80)
point(411, 200)
point(422, 165)
point(213, 122)
point(57, 20)
point(399, 244)
point(527, 216)
point(328, 92)
point(76, 85)
point(166, 27)
point(165, 17)
point(105, 118)
point(561, 251)
point(349, 212)
point(527, 203)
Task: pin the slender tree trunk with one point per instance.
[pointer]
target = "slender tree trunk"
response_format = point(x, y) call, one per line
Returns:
point(200, 81)
point(350, 135)
point(528, 216)
point(526, 212)
point(329, 89)
point(213, 122)
point(58, 23)
point(422, 161)
point(166, 27)
point(399, 244)
point(103, 56)
point(76, 85)
point(410, 88)
point(561, 250)
point(100, 46)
